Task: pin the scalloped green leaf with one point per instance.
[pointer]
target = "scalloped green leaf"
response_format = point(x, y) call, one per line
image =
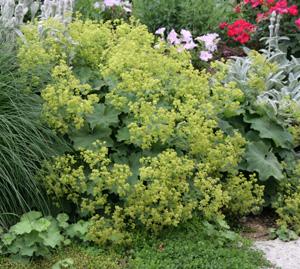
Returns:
point(28, 251)
point(52, 237)
point(8, 238)
point(261, 160)
point(31, 216)
point(63, 220)
point(85, 137)
point(123, 135)
point(272, 130)
point(78, 229)
point(103, 116)
point(23, 227)
point(41, 225)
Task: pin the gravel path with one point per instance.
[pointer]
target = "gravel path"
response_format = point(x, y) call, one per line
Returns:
point(284, 255)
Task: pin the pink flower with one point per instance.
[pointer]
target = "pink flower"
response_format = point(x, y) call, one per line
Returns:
point(297, 22)
point(189, 46)
point(111, 3)
point(210, 41)
point(160, 31)
point(186, 36)
point(205, 55)
point(187, 40)
point(173, 38)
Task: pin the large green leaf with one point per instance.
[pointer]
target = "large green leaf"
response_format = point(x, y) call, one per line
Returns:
point(78, 230)
point(32, 239)
point(123, 135)
point(91, 76)
point(41, 225)
point(260, 159)
point(84, 137)
point(272, 130)
point(134, 163)
point(103, 116)
point(63, 220)
point(8, 238)
point(23, 227)
point(52, 237)
point(28, 250)
point(31, 216)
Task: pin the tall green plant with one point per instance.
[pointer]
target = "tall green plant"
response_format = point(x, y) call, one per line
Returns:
point(24, 143)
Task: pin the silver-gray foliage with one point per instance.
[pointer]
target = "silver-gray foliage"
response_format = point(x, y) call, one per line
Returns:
point(282, 93)
point(13, 13)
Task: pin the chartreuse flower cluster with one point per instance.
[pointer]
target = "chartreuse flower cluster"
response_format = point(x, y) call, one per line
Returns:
point(260, 71)
point(67, 101)
point(287, 202)
point(47, 43)
point(171, 188)
point(166, 159)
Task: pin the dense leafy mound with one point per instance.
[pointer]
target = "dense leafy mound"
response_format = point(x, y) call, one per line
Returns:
point(144, 124)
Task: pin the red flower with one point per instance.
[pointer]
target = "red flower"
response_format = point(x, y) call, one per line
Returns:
point(243, 38)
point(240, 31)
point(293, 10)
point(223, 25)
point(297, 22)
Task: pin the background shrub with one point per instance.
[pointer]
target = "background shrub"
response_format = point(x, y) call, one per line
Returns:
point(198, 16)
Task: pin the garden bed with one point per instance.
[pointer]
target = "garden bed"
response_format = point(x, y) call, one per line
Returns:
point(149, 134)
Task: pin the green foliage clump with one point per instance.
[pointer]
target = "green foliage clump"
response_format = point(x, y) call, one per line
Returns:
point(149, 151)
point(287, 202)
point(245, 195)
point(199, 16)
point(192, 245)
point(268, 119)
point(191, 248)
point(24, 143)
point(35, 236)
point(289, 215)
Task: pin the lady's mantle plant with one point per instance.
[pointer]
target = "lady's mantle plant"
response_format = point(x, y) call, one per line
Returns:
point(144, 124)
